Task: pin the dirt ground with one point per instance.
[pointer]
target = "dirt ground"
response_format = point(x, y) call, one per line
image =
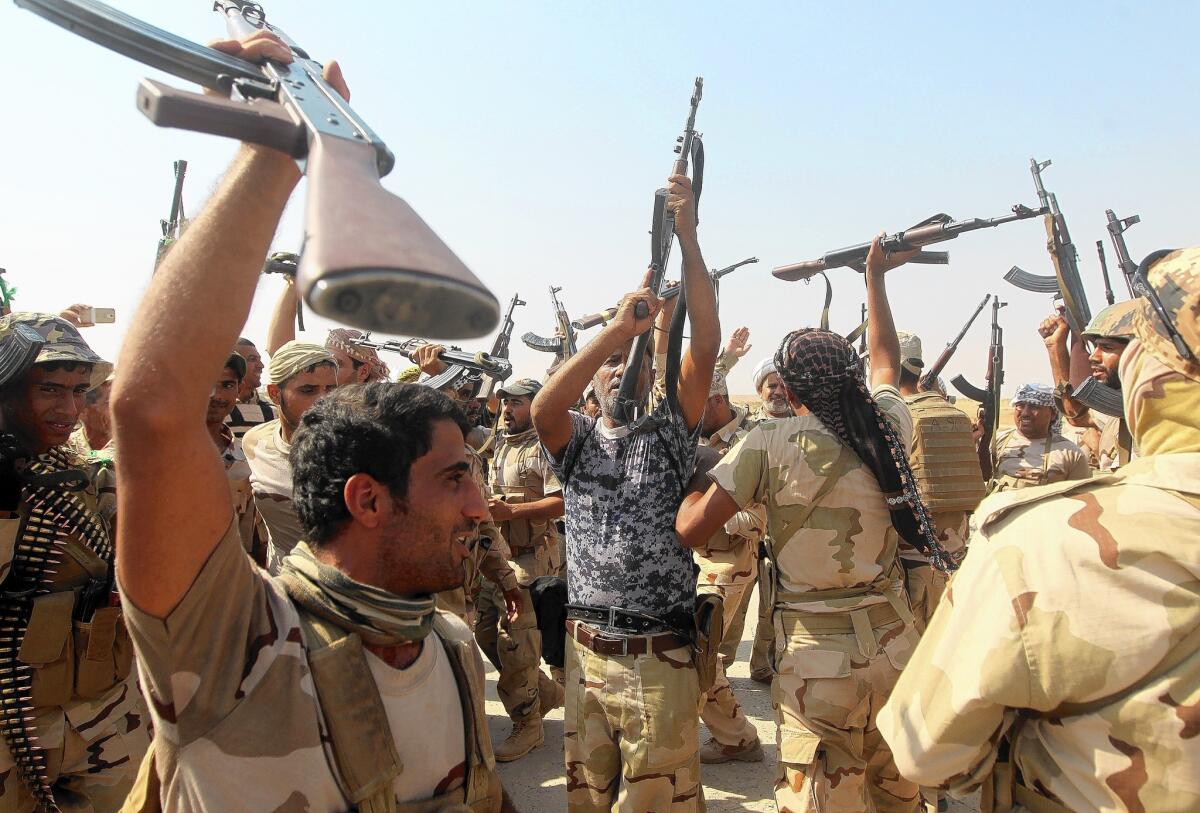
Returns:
point(537, 784)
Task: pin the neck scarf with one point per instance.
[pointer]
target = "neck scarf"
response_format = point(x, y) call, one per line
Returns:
point(379, 617)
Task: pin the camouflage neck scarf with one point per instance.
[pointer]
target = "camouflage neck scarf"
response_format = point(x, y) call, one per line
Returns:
point(379, 617)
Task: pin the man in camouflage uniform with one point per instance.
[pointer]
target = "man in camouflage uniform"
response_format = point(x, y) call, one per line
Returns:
point(1069, 638)
point(631, 736)
point(300, 374)
point(233, 660)
point(73, 722)
point(525, 500)
point(1108, 334)
point(728, 568)
point(843, 627)
point(1034, 452)
point(944, 459)
point(237, 470)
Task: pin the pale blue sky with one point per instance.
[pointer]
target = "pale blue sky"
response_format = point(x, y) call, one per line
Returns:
point(532, 136)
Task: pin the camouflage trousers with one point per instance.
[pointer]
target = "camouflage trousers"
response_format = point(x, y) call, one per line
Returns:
point(91, 767)
point(764, 639)
point(925, 586)
point(631, 734)
point(515, 649)
point(721, 711)
point(827, 693)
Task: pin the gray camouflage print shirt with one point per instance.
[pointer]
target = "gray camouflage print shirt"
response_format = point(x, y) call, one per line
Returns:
point(621, 493)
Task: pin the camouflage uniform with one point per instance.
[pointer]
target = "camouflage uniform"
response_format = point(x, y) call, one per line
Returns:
point(520, 474)
point(1115, 445)
point(1021, 462)
point(84, 712)
point(1071, 629)
point(842, 625)
point(237, 471)
point(729, 567)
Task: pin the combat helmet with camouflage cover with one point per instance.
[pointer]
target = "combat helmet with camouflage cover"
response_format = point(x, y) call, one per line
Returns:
point(1114, 322)
point(60, 341)
point(1174, 278)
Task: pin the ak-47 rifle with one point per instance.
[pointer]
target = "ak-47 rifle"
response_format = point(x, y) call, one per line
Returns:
point(369, 260)
point(563, 343)
point(1066, 282)
point(603, 317)
point(1116, 231)
point(690, 150)
point(989, 397)
point(284, 263)
point(7, 293)
point(458, 361)
point(930, 376)
point(503, 340)
point(173, 226)
point(1108, 292)
point(936, 229)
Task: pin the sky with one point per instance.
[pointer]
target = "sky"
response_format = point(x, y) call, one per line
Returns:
point(532, 136)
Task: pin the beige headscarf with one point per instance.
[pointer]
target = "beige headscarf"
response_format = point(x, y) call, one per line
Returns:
point(294, 357)
point(340, 339)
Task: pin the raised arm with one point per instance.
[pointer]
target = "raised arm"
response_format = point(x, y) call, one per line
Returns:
point(283, 319)
point(883, 344)
point(696, 367)
point(551, 410)
point(174, 499)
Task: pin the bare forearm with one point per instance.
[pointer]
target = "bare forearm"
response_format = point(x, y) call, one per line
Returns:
point(883, 343)
point(283, 319)
point(201, 295)
point(545, 508)
point(701, 305)
point(1060, 362)
point(565, 388)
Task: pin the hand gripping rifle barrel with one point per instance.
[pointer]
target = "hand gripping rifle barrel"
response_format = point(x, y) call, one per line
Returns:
point(935, 229)
point(662, 237)
point(369, 260)
point(482, 363)
point(605, 316)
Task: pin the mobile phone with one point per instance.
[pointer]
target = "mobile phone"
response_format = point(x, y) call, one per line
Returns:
point(99, 316)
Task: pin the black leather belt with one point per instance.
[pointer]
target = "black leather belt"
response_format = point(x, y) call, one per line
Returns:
point(630, 621)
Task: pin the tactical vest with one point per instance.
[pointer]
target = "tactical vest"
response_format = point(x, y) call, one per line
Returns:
point(63, 638)
point(943, 457)
point(521, 534)
point(364, 749)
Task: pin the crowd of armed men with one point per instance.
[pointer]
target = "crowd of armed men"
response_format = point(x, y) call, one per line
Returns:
point(223, 593)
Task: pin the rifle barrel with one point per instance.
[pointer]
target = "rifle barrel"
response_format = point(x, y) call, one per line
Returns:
point(952, 346)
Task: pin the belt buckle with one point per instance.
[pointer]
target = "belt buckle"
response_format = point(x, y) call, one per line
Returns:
point(624, 639)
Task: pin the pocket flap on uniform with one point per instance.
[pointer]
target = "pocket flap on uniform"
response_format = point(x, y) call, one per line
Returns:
point(798, 747)
point(49, 627)
point(820, 663)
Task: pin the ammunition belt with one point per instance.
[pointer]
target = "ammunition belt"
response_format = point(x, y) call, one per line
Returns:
point(52, 483)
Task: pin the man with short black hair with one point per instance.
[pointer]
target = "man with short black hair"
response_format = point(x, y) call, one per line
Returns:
point(251, 408)
point(237, 470)
point(303, 691)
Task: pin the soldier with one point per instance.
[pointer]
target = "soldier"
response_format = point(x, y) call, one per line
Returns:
point(93, 439)
point(1069, 639)
point(946, 465)
point(632, 722)
point(355, 364)
point(525, 500)
point(1035, 453)
point(72, 719)
point(591, 404)
point(251, 408)
point(300, 374)
point(1108, 333)
point(237, 470)
point(771, 390)
point(234, 660)
point(838, 491)
point(728, 566)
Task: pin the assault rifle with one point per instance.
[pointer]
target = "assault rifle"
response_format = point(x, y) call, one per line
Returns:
point(1066, 282)
point(500, 346)
point(936, 229)
point(1116, 231)
point(1108, 292)
point(458, 361)
point(689, 149)
point(989, 397)
point(1100, 397)
point(603, 317)
point(173, 227)
point(563, 343)
point(369, 260)
point(930, 377)
point(284, 263)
